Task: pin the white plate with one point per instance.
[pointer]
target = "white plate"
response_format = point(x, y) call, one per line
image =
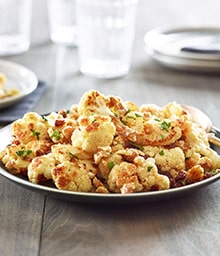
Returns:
point(166, 46)
point(17, 77)
point(84, 197)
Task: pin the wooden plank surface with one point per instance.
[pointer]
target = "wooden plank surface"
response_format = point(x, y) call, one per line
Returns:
point(172, 227)
point(21, 214)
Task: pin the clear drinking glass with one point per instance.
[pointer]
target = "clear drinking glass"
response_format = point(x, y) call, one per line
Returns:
point(106, 30)
point(61, 15)
point(15, 23)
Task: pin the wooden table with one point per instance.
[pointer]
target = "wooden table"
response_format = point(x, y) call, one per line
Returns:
point(34, 224)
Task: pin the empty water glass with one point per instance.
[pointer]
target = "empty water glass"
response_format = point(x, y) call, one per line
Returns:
point(106, 31)
point(61, 14)
point(15, 22)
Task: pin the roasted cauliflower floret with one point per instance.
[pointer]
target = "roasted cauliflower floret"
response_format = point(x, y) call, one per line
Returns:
point(74, 176)
point(93, 132)
point(194, 137)
point(166, 159)
point(60, 127)
point(171, 110)
point(123, 178)
point(149, 176)
point(40, 169)
point(93, 102)
point(147, 129)
point(106, 160)
point(142, 175)
point(16, 159)
point(31, 127)
point(213, 156)
point(196, 173)
point(67, 152)
point(174, 110)
point(159, 132)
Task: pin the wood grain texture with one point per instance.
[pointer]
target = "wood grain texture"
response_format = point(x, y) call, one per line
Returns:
point(21, 213)
point(172, 227)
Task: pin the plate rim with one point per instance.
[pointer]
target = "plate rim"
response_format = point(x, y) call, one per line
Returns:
point(179, 63)
point(186, 60)
point(92, 197)
point(31, 86)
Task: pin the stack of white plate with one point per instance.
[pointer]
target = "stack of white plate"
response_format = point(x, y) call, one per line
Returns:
point(194, 49)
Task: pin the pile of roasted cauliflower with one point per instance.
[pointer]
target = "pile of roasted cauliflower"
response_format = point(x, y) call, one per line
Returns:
point(106, 145)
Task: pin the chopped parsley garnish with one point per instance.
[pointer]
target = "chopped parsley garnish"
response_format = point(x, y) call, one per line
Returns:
point(162, 137)
point(114, 113)
point(44, 118)
point(136, 145)
point(157, 120)
point(72, 155)
point(134, 117)
point(131, 117)
point(138, 115)
point(149, 168)
point(110, 165)
point(165, 126)
point(124, 122)
point(183, 181)
point(161, 153)
point(24, 153)
point(214, 171)
point(94, 120)
point(55, 134)
point(128, 111)
point(37, 134)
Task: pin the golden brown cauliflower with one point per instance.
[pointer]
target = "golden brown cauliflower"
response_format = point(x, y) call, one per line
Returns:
point(166, 159)
point(149, 176)
point(74, 176)
point(93, 102)
point(40, 169)
point(142, 175)
point(60, 127)
point(17, 157)
point(31, 127)
point(66, 152)
point(94, 131)
point(106, 159)
point(123, 178)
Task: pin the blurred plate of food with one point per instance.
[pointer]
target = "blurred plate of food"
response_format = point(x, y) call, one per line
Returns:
point(16, 82)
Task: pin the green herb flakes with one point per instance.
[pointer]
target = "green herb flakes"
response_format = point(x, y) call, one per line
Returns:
point(73, 156)
point(37, 134)
point(55, 134)
point(162, 137)
point(110, 165)
point(24, 153)
point(165, 126)
point(149, 168)
point(136, 145)
point(44, 118)
point(161, 153)
point(138, 115)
